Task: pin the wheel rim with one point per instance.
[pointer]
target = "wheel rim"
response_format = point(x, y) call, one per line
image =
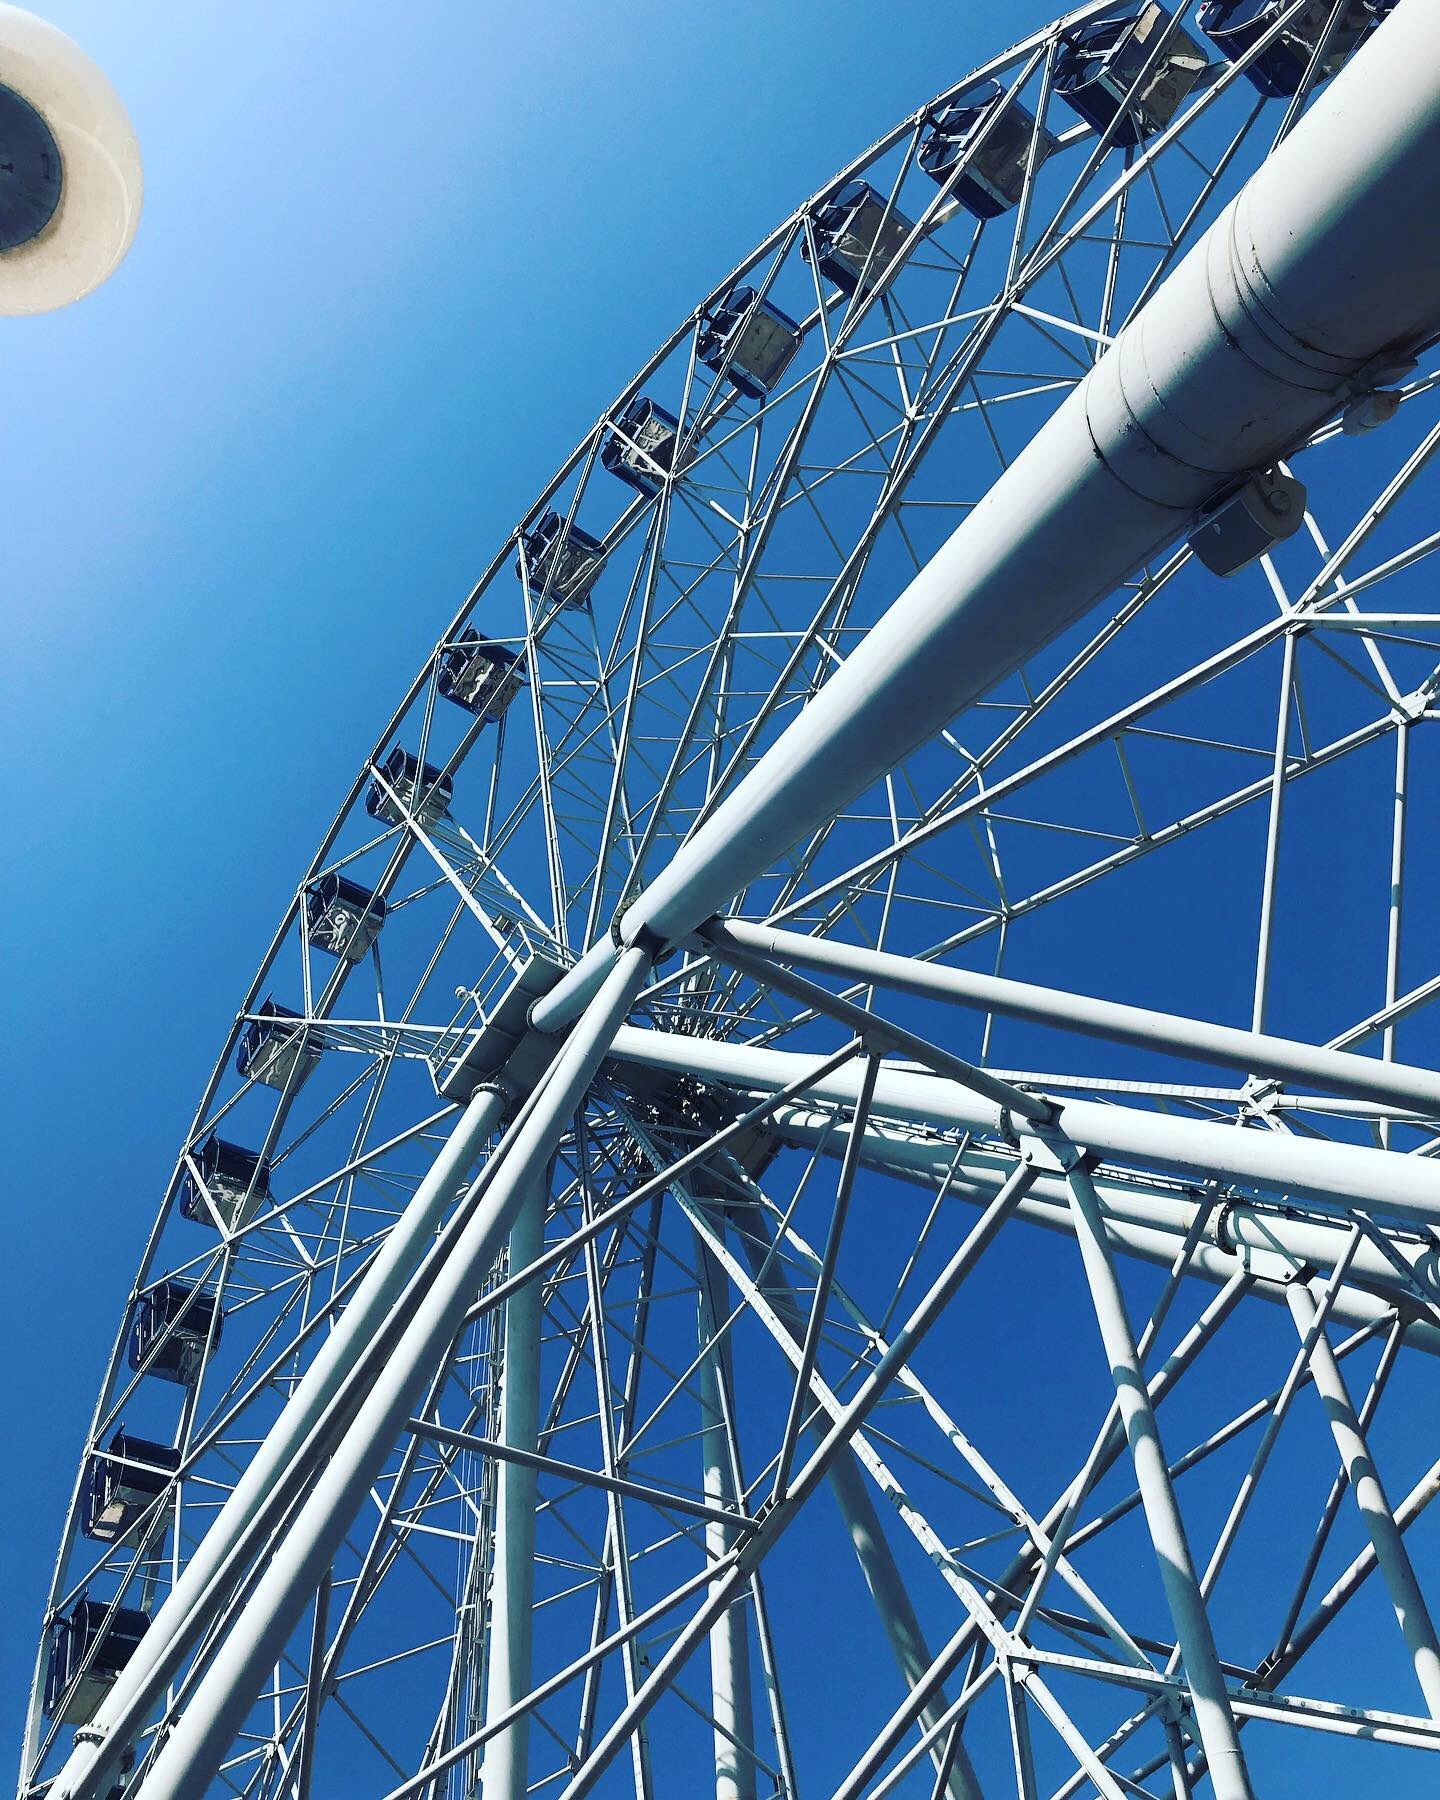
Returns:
point(726, 596)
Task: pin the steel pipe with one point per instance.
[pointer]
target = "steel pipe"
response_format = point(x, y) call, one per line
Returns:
point(730, 1698)
point(1308, 284)
point(1339, 1174)
point(1148, 1219)
point(289, 1445)
point(216, 1709)
point(1255, 1052)
point(1385, 1535)
point(512, 1593)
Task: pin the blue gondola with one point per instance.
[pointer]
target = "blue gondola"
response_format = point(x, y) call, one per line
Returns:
point(236, 1180)
point(275, 1048)
point(856, 237)
point(1104, 58)
point(92, 1644)
point(419, 790)
point(994, 179)
point(641, 448)
point(750, 340)
point(1233, 26)
point(478, 675)
point(169, 1330)
point(560, 561)
point(122, 1483)
point(343, 917)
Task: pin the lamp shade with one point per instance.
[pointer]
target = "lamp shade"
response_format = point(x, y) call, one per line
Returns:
point(70, 177)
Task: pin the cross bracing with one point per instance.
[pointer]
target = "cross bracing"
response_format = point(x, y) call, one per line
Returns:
point(762, 1223)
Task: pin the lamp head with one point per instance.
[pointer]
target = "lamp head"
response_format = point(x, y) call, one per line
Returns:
point(70, 177)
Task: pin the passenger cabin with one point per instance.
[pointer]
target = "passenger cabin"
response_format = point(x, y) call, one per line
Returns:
point(92, 1644)
point(748, 340)
point(122, 1483)
point(856, 238)
point(641, 447)
point(561, 561)
point(233, 1184)
point(343, 917)
point(993, 178)
point(171, 1324)
point(1234, 26)
point(480, 676)
point(1105, 58)
point(420, 791)
point(275, 1048)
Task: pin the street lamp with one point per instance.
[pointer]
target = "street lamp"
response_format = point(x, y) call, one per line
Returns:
point(70, 176)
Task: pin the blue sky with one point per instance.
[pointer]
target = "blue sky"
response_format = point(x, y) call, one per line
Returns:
point(391, 266)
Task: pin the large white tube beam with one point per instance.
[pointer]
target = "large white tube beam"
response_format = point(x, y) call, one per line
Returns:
point(1323, 264)
point(1213, 1718)
point(1339, 1174)
point(512, 1593)
point(216, 1709)
point(1146, 1221)
point(1386, 1538)
point(893, 1604)
point(291, 1442)
point(778, 1519)
point(1256, 1052)
point(730, 1697)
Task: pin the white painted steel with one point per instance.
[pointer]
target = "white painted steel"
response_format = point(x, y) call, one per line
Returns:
point(512, 1593)
point(1193, 1632)
point(1339, 1173)
point(292, 1444)
point(201, 1737)
point(1311, 274)
point(1386, 1539)
point(1152, 1220)
point(1331, 1071)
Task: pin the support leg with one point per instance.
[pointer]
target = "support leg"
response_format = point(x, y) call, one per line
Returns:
point(1390, 1552)
point(512, 1595)
point(1213, 1717)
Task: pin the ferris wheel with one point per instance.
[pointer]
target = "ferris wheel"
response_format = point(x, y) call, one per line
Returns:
point(725, 1243)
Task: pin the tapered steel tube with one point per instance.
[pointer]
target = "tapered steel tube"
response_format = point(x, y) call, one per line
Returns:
point(1323, 263)
point(1335, 1173)
point(216, 1710)
point(512, 1591)
point(1386, 1539)
point(1256, 1052)
point(1149, 1221)
point(291, 1439)
point(730, 1700)
point(1213, 1718)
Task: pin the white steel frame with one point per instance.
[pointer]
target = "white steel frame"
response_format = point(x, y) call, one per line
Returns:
point(516, 1393)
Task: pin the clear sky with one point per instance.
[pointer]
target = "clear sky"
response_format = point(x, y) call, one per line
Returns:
point(393, 263)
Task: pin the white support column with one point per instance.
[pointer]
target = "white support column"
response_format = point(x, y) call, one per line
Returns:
point(217, 1707)
point(1407, 1185)
point(1149, 1220)
point(1390, 1553)
point(512, 1594)
point(893, 1606)
point(1213, 1718)
point(1253, 1052)
point(290, 1450)
point(730, 1689)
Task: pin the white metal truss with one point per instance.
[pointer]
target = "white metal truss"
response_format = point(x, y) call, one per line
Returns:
point(657, 1140)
